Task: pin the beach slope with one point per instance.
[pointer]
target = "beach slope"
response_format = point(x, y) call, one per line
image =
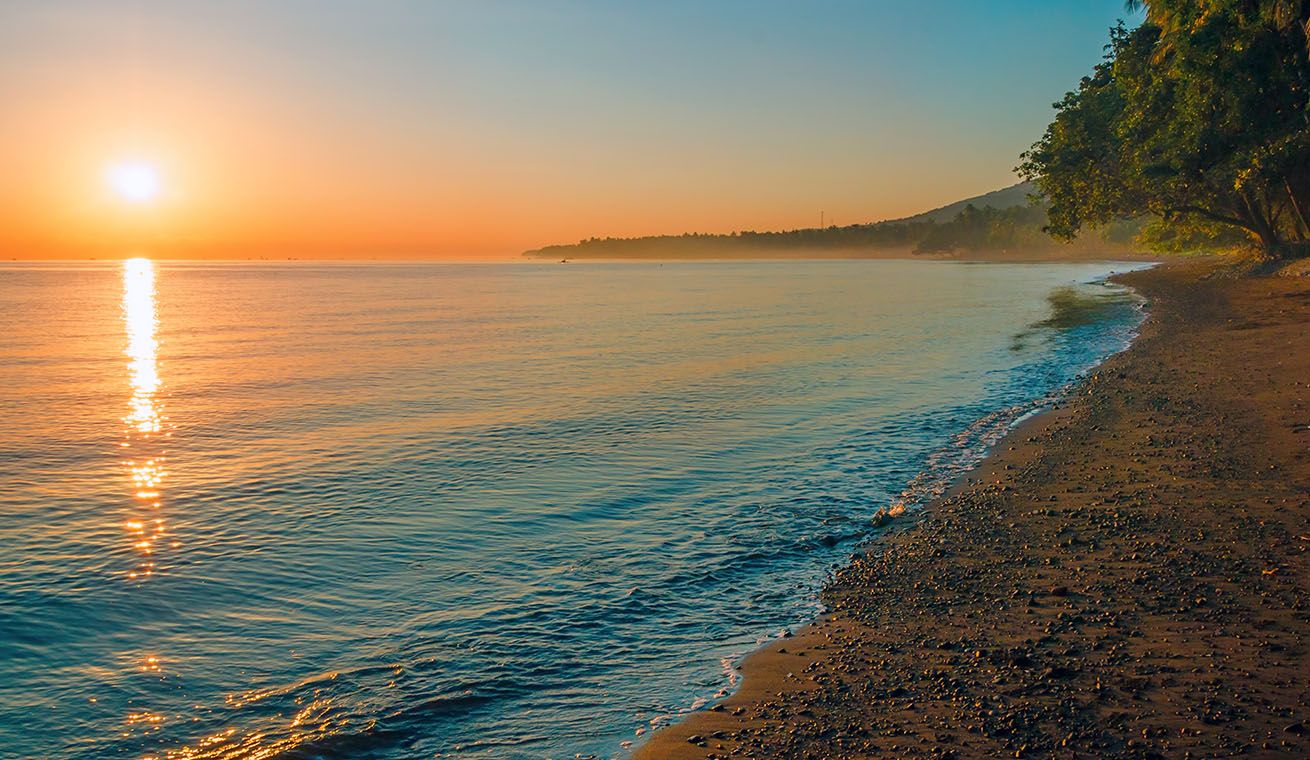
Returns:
point(1126, 576)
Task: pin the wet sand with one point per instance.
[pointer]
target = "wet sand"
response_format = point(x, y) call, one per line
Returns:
point(1126, 576)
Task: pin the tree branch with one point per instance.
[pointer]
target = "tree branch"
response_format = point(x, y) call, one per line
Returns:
point(1212, 216)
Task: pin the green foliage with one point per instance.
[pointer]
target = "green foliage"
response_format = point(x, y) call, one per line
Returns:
point(1175, 17)
point(1190, 235)
point(986, 229)
point(1199, 115)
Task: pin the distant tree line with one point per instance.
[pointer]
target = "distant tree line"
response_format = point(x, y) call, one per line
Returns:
point(974, 228)
point(987, 229)
point(855, 236)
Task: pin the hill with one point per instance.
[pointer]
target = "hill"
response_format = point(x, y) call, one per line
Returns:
point(1006, 197)
point(1001, 221)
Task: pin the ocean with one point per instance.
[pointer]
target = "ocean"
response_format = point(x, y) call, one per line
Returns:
point(519, 510)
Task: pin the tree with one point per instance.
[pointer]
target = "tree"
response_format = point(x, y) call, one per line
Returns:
point(1199, 115)
point(983, 229)
point(1176, 16)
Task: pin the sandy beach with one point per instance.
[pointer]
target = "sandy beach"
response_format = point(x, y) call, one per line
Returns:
point(1126, 575)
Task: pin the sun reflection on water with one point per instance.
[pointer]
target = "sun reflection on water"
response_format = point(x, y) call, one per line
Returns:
point(144, 424)
point(315, 721)
point(146, 433)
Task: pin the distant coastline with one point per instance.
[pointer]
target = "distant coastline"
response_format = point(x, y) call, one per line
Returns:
point(1001, 225)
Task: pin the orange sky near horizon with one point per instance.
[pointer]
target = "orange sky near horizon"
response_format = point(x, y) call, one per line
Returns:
point(332, 130)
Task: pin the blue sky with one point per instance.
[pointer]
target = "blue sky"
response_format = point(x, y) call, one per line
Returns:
point(494, 125)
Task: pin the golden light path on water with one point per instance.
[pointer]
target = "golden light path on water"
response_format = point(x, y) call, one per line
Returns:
point(147, 431)
point(145, 424)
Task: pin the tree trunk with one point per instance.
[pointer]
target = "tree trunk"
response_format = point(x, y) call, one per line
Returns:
point(1303, 230)
point(1273, 247)
point(1264, 229)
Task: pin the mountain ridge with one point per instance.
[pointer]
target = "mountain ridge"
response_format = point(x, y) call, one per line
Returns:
point(1000, 220)
point(1005, 198)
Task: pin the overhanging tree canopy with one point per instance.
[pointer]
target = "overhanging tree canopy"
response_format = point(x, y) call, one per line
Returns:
point(1200, 114)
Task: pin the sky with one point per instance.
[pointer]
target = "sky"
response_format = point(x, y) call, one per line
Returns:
point(393, 129)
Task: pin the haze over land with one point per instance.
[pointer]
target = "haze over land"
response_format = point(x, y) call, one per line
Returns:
point(485, 129)
point(1006, 223)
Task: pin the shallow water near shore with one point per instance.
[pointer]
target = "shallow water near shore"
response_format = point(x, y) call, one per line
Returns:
point(501, 510)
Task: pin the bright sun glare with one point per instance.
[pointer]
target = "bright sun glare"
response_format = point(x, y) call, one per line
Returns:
point(134, 182)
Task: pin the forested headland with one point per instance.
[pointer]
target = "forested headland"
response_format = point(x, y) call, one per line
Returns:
point(1003, 220)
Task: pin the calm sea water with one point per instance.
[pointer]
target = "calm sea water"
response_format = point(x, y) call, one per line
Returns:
point(394, 511)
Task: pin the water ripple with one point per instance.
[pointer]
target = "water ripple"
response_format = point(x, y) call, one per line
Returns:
point(469, 511)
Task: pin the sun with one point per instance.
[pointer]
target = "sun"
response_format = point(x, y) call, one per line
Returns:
point(133, 181)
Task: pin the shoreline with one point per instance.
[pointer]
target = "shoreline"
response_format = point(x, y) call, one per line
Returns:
point(1053, 255)
point(1055, 601)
